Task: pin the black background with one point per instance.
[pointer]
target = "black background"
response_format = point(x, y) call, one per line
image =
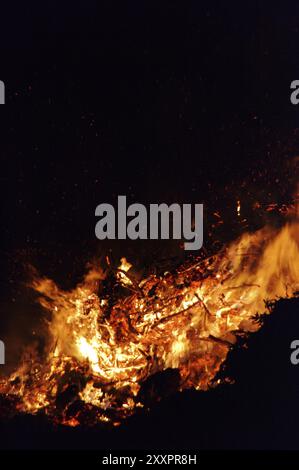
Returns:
point(163, 102)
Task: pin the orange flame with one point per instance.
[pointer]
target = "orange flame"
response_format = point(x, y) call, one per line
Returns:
point(101, 352)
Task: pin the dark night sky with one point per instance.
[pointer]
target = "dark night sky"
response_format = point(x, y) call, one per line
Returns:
point(162, 101)
point(146, 101)
point(163, 104)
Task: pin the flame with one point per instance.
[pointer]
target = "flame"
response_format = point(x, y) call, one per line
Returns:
point(101, 350)
point(238, 208)
point(123, 269)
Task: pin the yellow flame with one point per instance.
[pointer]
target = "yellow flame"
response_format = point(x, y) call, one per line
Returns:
point(185, 320)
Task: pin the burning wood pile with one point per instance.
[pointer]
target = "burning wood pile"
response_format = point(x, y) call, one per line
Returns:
point(106, 353)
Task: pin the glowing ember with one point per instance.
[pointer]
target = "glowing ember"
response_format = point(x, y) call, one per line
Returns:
point(238, 208)
point(101, 350)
